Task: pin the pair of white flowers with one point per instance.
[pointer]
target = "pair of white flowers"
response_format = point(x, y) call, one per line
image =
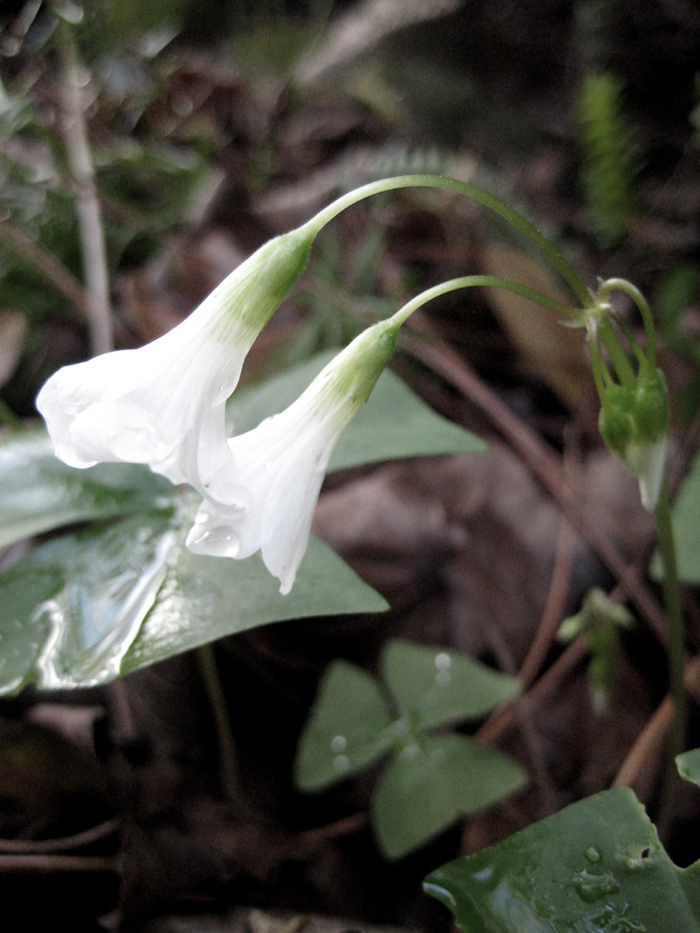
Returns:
point(164, 405)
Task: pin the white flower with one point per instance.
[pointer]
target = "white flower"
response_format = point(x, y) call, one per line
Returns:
point(163, 404)
point(646, 461)
point(264, 499)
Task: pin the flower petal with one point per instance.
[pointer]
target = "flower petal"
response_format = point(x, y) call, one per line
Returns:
point(163, 404)
point(279, 466)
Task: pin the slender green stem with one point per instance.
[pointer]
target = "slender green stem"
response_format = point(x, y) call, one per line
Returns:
point(470, 281)
point(618, 357)
point(601, 376)
point(504, 210)
point(674, 615)
point(227, 750)
point(622, 285)
point(676, 651)
point(634, 346)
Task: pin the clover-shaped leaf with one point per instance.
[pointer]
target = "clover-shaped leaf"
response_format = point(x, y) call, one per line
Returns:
point(431, 781)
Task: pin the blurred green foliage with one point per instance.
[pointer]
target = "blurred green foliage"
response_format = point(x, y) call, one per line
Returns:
point(609, 169)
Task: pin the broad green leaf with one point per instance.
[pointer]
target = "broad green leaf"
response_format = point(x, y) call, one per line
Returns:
point(595, 867)
point(77, 603)
point(205, 598)
point(433, 686)
point(88, 607)
point(347, 730)
point(428, 787)
point(686, 512)
point(394, 424)
point(688, 765)
point(39, 493)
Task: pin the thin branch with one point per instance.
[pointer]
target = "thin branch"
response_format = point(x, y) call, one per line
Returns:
point(88, 205)
point(59, 863)
point(62, 844)
point(14, 238)
point(554, 607)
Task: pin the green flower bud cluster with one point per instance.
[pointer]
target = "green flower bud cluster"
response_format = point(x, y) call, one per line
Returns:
point(634, 413)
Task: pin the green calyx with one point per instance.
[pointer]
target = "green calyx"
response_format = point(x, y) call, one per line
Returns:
point(638, 415)
point(354, 372)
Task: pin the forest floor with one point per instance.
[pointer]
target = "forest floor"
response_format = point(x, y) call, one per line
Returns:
point(485, 554)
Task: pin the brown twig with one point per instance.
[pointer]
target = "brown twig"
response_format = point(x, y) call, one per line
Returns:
point(19, 242)
point(63, 844)
point(505, 717)
point(655, 731)
point(59, 863)
point(88, 206)
point(554, 607)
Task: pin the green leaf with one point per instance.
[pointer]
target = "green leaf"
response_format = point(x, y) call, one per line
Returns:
point(688, 765)
point(433, 687)
point(394, 424)
point(595, 867)
point(430, 786)
point(347, 730)
point(39, 493)
point(94, 590)
point(88, 607)
point(205, 598)
point(686, 510)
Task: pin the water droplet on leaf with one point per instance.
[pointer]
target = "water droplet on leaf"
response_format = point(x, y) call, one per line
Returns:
point(590, 887)
point(338, 744)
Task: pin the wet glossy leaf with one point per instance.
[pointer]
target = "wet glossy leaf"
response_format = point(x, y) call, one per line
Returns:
point(430, 785)
point(595, 867)
point(688, 765)
point(87, 607)
point(394, 424)
point(433, 687)
point(347, 730)
point(84, 599)
point(205, 598)
point(39, 493)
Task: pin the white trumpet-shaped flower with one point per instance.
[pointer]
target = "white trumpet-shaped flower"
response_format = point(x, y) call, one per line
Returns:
point(163, 404)
point(264, 499)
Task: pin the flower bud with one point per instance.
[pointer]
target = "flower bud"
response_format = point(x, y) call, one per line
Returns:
point(633, 422)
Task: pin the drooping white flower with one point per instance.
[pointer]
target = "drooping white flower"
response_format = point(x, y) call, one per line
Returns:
point(264, 499)
point(163, 404)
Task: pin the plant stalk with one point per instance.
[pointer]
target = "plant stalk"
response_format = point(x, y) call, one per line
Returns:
point(489, 200)
point(88, 206)
point(676, 651)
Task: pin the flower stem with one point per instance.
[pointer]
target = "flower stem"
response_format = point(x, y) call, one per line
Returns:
point(676, 652)
point(674, 615)
point(470, 281)
point(622, 285)
point(230, 780)
point(618, 357)
point(500, 207)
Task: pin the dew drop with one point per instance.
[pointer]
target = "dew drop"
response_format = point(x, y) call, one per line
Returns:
point(220, 541)
point(443, 661)
point(341, 763)
point(443, 679)
point(593, 854)
point(338, 744)
point(590, 887)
